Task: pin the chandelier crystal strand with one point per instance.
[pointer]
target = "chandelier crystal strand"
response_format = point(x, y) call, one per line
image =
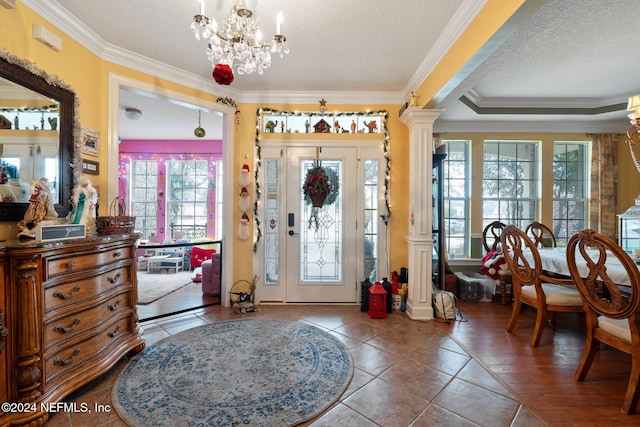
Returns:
point(237, 42)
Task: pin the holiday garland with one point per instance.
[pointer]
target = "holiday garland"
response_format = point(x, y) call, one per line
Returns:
point(228, 101)
point(258, 148)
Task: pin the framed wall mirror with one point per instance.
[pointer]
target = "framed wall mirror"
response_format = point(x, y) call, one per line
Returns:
point(37, 137)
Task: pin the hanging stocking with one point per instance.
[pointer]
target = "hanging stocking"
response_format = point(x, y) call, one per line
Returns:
point(244, 201)
point(243, 228)
point(245, 179)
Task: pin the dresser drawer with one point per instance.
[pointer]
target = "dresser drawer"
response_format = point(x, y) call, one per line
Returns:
point(72, 263)
point(72, 325)
point(69, 358)
point(64, 294)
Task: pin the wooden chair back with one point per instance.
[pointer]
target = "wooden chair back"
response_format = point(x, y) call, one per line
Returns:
point(514, 243)
point(612, 318)
point(532, 286)
point(541, 235)
point(491, 236)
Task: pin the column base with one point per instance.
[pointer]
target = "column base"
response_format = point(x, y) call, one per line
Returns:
point(420, 312)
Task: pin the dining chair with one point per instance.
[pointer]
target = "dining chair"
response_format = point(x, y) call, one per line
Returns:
point(531, 286)
point(611, 318)
point(541, 235)
point(491, 235)
point(491, 242)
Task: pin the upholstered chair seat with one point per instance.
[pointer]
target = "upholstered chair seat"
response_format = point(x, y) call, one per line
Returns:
point(556, 294)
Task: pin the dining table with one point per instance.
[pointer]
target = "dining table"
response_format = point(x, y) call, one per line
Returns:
point(554, 261)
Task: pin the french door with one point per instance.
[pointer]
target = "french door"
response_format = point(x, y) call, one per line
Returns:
point(320, 255)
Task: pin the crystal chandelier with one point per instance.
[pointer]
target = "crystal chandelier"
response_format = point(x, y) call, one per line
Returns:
point(237, 42)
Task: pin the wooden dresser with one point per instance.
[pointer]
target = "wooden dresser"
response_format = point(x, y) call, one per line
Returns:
point(67, 315)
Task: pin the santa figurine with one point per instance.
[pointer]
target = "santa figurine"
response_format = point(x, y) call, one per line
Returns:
point(243, 228)
point(493, 264)
point(244, 179)
point(244, 200)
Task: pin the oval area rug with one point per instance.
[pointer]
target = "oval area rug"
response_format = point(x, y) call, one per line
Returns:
point(257, 372)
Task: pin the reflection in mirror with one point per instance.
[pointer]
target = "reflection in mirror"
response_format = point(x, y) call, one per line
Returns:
point(38, 130)
point(30, 152)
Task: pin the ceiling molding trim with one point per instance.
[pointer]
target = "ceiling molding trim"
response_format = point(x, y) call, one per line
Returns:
point(358, 98)
point(57, 15)
point(536, 107)
point(515, 22)
point(67, 23)
point(155, 68)
point(463, 17)
point(514, 126)
point(482, 102)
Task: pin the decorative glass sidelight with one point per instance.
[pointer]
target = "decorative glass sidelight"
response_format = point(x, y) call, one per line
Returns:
point(322, 231)
point(371, 215)
point(272, 228)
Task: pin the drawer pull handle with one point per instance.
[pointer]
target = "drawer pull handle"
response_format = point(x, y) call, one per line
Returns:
point(60, 295)
point(70, 265)
point(114, 306)
point(114, 333)
point(117, 254)
point(60, 328)
point(58, 361)
point(114, 279)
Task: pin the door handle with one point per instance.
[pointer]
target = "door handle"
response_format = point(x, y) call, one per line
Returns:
point(292, 233)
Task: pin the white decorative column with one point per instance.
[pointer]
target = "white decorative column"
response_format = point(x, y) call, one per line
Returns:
point(420, 238)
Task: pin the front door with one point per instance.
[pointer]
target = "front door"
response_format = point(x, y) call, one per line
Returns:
point(321, 243)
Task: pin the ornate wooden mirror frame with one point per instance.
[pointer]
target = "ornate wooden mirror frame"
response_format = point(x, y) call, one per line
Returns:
point(25, 74)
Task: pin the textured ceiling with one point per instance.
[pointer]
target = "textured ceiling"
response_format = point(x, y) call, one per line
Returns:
point(567, 54)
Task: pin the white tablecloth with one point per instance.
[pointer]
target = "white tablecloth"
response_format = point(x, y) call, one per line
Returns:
point(554, 260)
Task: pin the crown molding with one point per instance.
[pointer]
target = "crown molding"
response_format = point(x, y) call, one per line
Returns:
point(545, 126)
point(537, 106)
point(358, 98)
point(474, 101)
point(58, 16)
point(463, 17)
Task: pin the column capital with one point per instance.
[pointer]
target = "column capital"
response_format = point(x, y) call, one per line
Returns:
point(415, 116)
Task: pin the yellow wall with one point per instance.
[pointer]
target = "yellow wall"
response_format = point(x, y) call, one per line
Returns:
point(88, 77)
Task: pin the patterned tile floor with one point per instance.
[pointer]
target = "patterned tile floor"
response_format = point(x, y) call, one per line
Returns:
point(407, 373)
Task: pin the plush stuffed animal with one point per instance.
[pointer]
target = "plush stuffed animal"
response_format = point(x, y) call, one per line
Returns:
point(492, 263)
point(198, 256)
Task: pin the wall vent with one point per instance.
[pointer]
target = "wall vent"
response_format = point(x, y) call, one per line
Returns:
point(47, 37)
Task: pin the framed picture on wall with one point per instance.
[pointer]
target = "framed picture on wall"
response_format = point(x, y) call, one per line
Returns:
point(90, 167)
point(90, 142)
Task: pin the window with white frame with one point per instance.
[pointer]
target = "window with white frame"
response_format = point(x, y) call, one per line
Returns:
point(187, 192)
point(510, 182)
point(569, 189)
point(144, 203)
point(456, 198)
